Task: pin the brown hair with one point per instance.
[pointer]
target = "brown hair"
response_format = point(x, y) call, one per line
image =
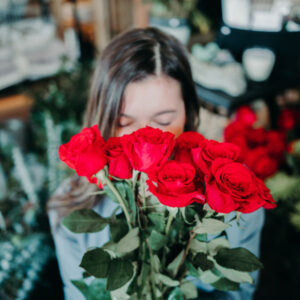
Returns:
point(129, 57)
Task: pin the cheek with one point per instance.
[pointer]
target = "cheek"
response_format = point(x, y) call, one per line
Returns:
point(177, 127)
point(176, 130)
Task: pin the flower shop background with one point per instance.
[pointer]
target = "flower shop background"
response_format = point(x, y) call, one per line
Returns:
point(47, 54)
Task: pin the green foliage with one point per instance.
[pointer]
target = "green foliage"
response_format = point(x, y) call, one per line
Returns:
point(210, 226)
point(129, 242)
point(154, 257)
point(239, 259)
point(201, 261)
point(84, 220)
point(157, 240)
point(95, 290)
point(120, 272)
point(96, 262)
point(225, 285)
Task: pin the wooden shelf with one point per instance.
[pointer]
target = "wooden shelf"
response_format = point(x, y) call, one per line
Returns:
point(16, 106)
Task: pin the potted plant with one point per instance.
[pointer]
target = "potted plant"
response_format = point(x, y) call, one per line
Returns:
point(172, 16)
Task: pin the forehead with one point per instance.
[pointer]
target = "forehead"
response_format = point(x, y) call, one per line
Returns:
point(152, 94)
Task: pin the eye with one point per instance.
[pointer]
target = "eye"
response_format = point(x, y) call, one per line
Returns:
point(124, 124)
point(163, 123)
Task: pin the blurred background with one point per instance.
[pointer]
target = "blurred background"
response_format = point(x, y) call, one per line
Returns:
point(244, 56)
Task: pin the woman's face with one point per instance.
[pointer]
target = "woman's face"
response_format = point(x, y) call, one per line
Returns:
point(155, 101)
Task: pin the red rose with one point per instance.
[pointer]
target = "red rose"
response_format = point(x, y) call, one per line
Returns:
point(256, 137)
point(265, 195)
point(286, 120)
point(246, 115)
point(276, 144)
point(204, 156)
point(176, 186)
point(118, 163)
point(148, 148)
point(84, 152)
point(259, 161)
point(185, 143)
point(231, 186)
point(241, 142)
point(234, 130)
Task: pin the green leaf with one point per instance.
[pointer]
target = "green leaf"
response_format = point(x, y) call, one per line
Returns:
point(201, 237)
point(183, 213)
point(120, 272)
point(189, 290)
point(192, 270)
point(210, 226)
point(118, 229)
point(166, 280)
point(157, 240)
point(143, 275)
point(176, 294)
point(173, 266)
point(129, 242)
point(215, 245)
point(96, 262)
point(225, 285)
point(82, 287)
point(158, 221)
point(239, 259)
point(110, 194)
point(208, 277)
point(234, 275)
point(200, 260)
point(84, 221)
point(156, 263)
point(121, 188)
point(131, 201)
point(197, 246)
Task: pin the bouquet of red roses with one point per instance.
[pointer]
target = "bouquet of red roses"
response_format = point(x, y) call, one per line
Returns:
point(175, 196)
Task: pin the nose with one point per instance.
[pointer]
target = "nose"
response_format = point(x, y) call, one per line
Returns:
point(143, 124)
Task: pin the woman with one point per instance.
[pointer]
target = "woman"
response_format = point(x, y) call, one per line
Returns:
point(143, 78)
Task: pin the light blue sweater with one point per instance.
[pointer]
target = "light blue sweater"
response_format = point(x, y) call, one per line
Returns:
point(70, 248)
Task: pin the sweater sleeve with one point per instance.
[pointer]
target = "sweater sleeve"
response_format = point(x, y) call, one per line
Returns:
point(69, 255)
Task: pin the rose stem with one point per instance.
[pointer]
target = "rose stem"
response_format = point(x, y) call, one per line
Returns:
point(118, 196)
point(142, 182)
point(170, 218)
point(135, 175)
point(193, 234)
point(152, 270)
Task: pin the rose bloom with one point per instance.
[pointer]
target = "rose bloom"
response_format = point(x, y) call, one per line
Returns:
point(234, 130)
point(85, 152)
point(118, 163)
point(175, 185)
point(231, 186)
point(184, 145)
point(256, 137)
point(148, 148)
point(246, 115)
point(210, 150)
point(276, 144)
point(260, 162)
point(265, 195)
point(286, 120)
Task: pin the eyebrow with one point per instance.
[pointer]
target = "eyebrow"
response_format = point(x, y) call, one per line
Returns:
point(156, 115)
